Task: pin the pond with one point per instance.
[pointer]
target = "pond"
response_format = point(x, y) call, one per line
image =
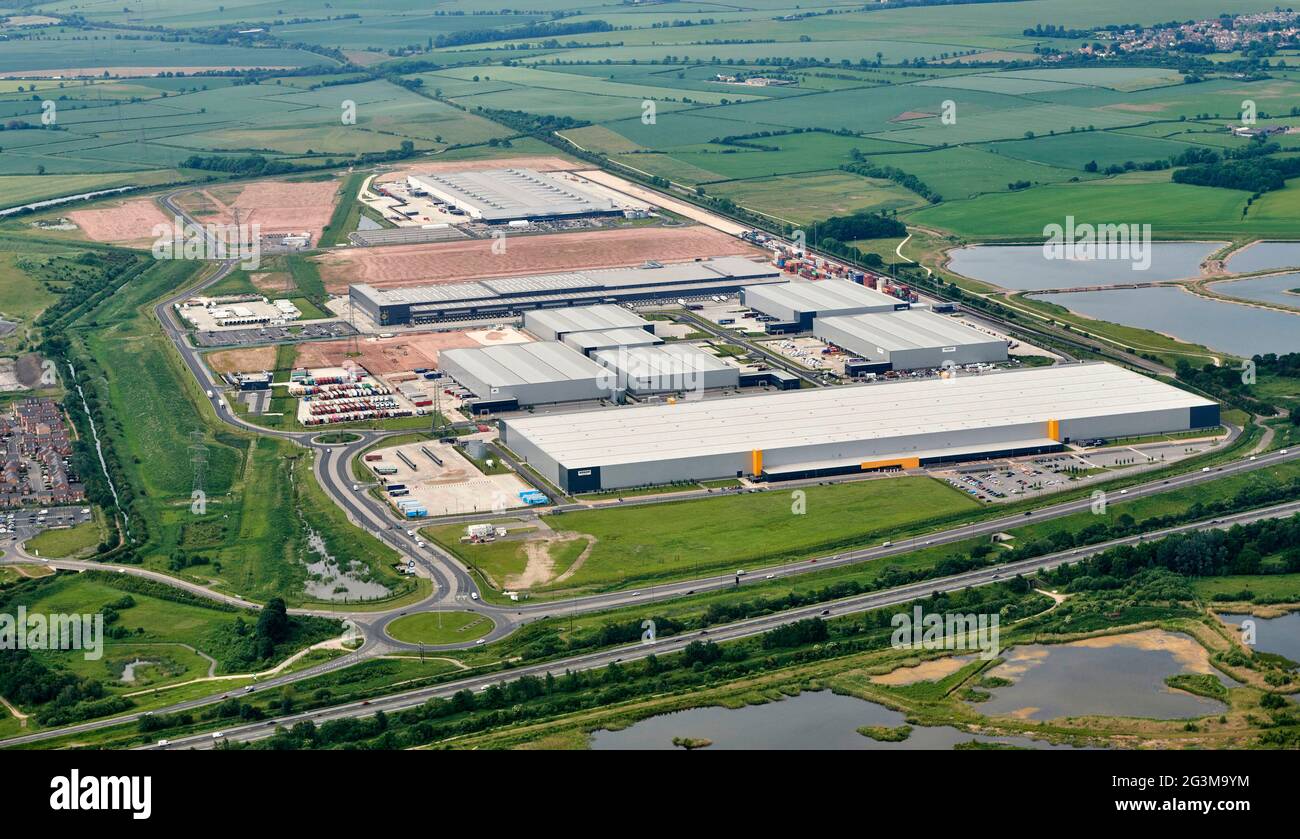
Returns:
point(1274, 635)
point(1265, 256)
point(1276, 289)
point(1240, 330)
point(1025, 268)
point(1114, 675)
point(811, 720)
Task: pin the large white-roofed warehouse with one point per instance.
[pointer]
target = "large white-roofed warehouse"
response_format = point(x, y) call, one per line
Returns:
point(911, 340)
point(841, 430)
point(507, 376)
point(797, 302)
point(499, 195)
point(503, 296)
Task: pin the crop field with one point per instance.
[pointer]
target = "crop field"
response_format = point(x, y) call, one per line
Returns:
point(68, 51)
point(113, 133)
point(800, 199)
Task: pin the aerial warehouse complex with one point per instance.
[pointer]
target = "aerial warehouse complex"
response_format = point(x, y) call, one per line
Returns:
point(911, 340)
point(844, 430)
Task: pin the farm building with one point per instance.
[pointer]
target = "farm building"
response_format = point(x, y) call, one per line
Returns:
point(842, 430)
point(910, 340)
point(539, 373)
point(667, 369)
point(504, 195)
point(507, 296)
point(610, 339)
point(798, 302)
point(554, 324)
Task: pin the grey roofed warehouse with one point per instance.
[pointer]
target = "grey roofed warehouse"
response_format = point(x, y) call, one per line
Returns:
point(497, 195)
point(910, 340)
point(799, 301)
point(505, 295)
point(605, 339)
point(828, 431)
point(540, 373)
point(554, 324)
point(669, 368)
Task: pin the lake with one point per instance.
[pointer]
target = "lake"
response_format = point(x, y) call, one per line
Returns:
point(1114, 675)
point(1240, 330)
point(1025, 268)
point(1274, 635)
point(1263, 289)
point(811, 720)
point(1265, 256)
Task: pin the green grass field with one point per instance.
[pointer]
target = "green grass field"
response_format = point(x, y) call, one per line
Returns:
point(440, 627)
point(65, 542)
point(1272, 588)
point(688, 538)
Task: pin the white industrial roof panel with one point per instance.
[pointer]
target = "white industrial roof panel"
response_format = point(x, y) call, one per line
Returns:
point(669, 359)
point(824, 295)
point(852, 413)
point(501, 194)
point(905, 330)
point(518, 364)
point(584, 318)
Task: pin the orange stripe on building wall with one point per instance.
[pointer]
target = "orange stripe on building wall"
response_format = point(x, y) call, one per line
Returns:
point(1054, 430)
point(756, 462)
point(901, 463)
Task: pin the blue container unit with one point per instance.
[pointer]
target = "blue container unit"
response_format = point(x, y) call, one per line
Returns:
point(532, 496)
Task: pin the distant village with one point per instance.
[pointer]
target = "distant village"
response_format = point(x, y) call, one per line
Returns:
point(1221, 34)
point(37, 451)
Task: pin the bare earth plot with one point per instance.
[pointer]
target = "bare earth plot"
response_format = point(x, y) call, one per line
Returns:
point(277, 206)
point(382, 356)
point(126, 223)
point(447, 262)
point(252, 359)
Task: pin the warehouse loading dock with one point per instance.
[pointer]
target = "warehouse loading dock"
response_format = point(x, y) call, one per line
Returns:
point(837, 430)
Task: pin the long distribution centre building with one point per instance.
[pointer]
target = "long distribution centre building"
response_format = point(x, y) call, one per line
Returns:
point(504, 296)
point(797, 302)
point(841, 430)
point(539, 373)
point(503, 195)
point(911, 340)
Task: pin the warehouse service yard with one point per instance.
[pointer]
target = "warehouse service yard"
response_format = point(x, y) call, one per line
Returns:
point(453, 487)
